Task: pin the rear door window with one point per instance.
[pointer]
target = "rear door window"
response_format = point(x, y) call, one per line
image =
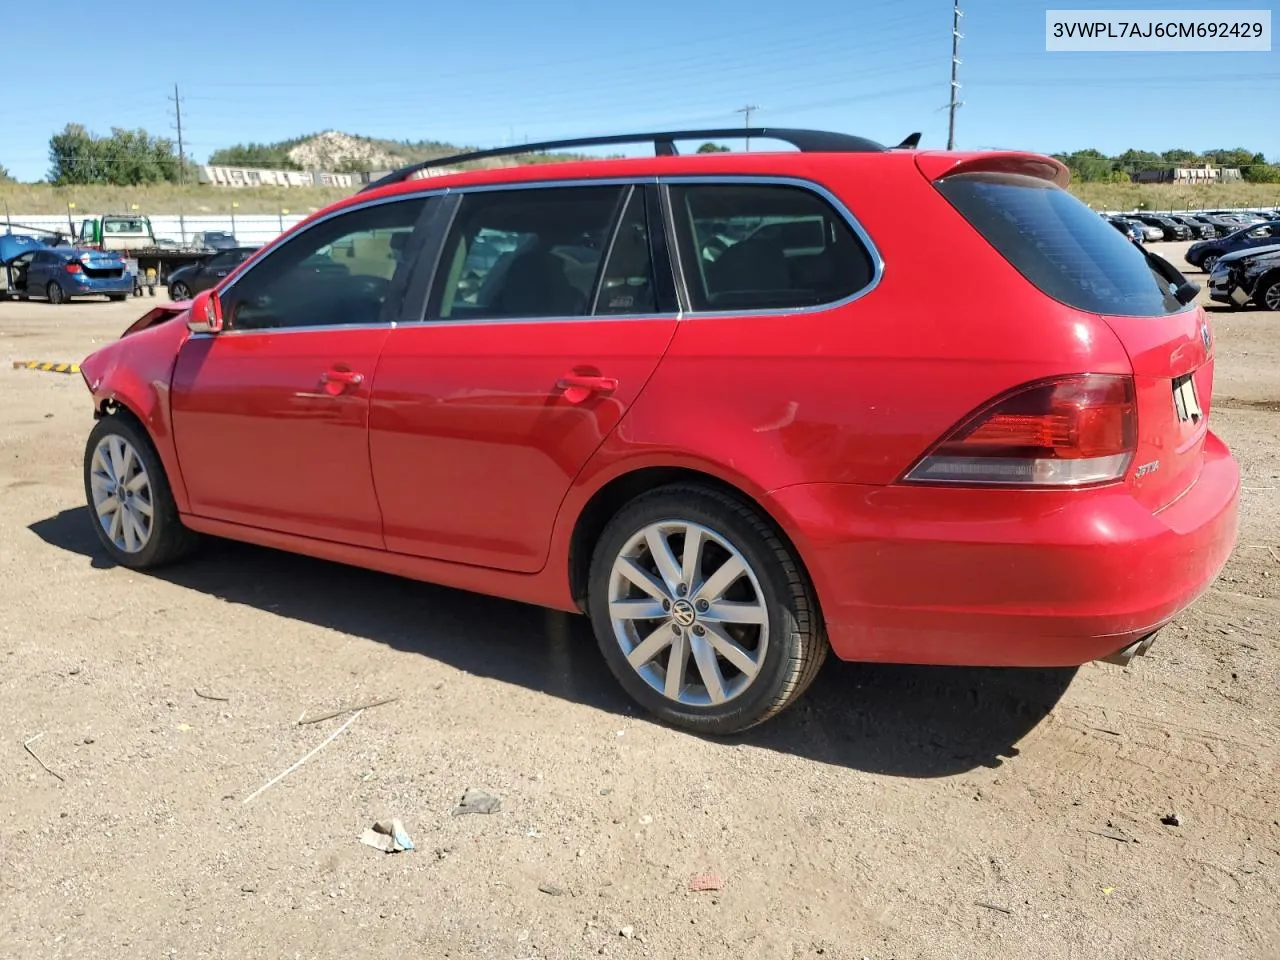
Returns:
point(534, 253)
point(1060, 245)
point(765, 247)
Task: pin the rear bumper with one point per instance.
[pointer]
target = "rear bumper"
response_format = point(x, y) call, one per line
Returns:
point(89, 288)
point(1007, 578)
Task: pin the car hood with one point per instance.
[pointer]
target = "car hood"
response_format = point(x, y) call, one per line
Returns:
point(161, 313)
point(1250, 253)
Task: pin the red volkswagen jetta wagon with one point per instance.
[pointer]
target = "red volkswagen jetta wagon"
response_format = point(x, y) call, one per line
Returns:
point(735, 407)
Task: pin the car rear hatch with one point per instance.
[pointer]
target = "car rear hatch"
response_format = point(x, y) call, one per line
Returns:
point(1060, 246)
point(101, 265)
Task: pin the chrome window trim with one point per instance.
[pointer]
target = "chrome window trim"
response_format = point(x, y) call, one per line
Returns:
point(294, 233)
point(433, 324)
point(633, 181)
point(877, 260)
point(662, 180)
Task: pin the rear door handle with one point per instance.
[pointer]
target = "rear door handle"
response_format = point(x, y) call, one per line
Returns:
point(336, 381)
point(586, 384)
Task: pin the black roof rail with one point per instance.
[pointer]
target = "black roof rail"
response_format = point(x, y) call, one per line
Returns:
point(806, 141)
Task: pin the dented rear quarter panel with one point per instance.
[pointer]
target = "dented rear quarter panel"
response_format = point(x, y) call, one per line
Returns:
point(135, 372)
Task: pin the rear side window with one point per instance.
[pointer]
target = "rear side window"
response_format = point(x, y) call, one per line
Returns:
point(765, 247)
point(1060, 245)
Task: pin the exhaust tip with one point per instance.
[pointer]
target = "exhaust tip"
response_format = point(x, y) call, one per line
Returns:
point(1139, 648)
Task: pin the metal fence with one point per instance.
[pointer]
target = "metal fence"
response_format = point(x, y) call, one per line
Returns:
point(250, 228)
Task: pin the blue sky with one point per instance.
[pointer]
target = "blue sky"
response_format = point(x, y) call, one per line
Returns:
point(487, 72)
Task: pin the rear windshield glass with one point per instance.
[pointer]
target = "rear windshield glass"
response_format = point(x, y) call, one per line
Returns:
point(1060, 245)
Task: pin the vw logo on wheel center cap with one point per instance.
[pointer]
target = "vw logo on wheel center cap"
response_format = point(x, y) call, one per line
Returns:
point(682, 612)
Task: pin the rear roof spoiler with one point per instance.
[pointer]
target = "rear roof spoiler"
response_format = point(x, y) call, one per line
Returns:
point(938, 164)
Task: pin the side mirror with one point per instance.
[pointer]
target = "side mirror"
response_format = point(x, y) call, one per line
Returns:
point(206, 313)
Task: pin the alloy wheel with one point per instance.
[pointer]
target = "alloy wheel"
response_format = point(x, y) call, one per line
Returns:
point(689, 613)
point(179, 291)
point(1271, 296)
point(122, 496)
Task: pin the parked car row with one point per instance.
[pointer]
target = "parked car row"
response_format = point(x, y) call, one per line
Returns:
point(1205, 253)
point(1209, 225)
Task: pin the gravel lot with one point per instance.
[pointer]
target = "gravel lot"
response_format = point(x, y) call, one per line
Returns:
point(897, 812)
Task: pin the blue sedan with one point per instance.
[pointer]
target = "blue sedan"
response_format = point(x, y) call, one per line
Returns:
point(58, 274)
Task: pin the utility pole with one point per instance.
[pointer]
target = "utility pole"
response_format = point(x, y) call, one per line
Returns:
point(182, 154)
point(955, 64)
point(746, 118)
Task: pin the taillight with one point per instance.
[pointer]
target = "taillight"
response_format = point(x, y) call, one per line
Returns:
point(1069, 431)
point(72, 268)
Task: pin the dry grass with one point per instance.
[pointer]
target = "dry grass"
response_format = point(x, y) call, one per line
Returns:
point(169, 199)
point(1129, 196)
point(39, 198)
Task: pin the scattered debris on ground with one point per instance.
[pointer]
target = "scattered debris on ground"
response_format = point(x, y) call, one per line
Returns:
point(389, 836)
point(26, 745)
point(328, 740)
point(477, 801)
point(706, 881)
point(358, 707)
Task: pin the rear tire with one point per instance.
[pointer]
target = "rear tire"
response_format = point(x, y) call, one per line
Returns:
point(131, 505)
point(55, 293)
point(729, 636)
point(117, 297)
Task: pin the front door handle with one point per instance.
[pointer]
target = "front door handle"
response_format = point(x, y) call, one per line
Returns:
point(336, 381)
point(578, 388)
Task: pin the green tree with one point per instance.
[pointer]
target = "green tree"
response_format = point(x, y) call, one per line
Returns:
point(1239, 157)
point(272, 156)
point(1262, 173)
point(125, 158)
point(1088, 166)
point(5, 175)
point(712, 148)
point(1182, 158)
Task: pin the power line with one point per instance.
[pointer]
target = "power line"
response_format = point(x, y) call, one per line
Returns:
point(955, 85)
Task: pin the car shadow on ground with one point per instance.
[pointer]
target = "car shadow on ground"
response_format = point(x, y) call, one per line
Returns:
point(895, 720)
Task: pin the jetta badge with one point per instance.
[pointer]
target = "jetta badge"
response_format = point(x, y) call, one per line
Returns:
point(1204, 334)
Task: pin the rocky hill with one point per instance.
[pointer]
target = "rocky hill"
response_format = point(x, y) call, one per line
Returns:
point(339, 152)
point(333, 150)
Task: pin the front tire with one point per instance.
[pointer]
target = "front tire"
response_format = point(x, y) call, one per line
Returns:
point(703, 614)
point(1268, 296)
point(130, 502)
point(1207, 263)
point(55, 293)
point(179, 291)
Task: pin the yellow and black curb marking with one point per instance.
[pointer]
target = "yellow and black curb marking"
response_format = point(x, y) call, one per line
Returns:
point(46, 366)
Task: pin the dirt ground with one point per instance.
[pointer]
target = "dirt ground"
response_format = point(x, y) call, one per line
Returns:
point(895, 813)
